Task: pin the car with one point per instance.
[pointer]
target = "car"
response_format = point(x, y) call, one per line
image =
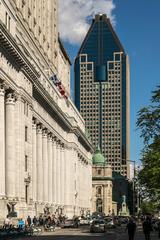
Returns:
point(123, 220)
point(98, 226)
point(84, 221)
point(69, 223)
point(110, 222)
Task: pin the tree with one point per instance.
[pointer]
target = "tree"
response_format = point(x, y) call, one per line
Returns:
point(149, 124)
point(147, 207)
point(149, 118)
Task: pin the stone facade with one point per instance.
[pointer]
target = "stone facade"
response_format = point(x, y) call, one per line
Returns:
point(45, 161)
point(102, 189)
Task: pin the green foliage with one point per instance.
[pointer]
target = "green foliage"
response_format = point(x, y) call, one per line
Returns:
point(149, 118)
point(149, 124)
point(148, 207)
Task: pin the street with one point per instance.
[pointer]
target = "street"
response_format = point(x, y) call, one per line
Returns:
point(83, 234)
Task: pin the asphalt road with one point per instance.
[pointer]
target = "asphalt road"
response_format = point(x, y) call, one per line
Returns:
point(84, 234)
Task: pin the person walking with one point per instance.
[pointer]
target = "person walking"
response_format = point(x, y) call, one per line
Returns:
point(159, 228)
point(147, 228)
point(131, 228)
point(21, 224)
point(35, 221)
point(29, 221)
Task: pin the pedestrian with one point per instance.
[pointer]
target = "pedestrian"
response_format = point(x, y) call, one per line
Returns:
point(29, 221)
point(159, 228)
point(147, 228)
point(41, 221)
point(34, 221)
point(131, 228)
point(7, 222)
point(21, 224)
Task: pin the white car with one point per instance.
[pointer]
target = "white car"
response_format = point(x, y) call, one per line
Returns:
point(84, 221)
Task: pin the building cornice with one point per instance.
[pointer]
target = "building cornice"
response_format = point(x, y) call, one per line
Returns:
point(13, 54)
point(17, 58)
point(102, 178)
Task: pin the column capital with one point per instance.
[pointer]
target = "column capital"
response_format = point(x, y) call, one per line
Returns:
point(58, 143)
point(44, 133)
point(34, 123)
point(39, 129)
point(2, 89)
point(62, 146)
point(50, 137)
point(10, 98)
point(54, 140)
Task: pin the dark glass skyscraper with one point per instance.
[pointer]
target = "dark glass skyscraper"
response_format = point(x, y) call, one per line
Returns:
point(102, 92)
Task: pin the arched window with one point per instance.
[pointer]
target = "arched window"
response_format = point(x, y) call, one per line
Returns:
point(99, 190)
point(99, 205)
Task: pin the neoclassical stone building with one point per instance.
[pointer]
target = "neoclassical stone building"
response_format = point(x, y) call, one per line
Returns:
point(45, 157)
point(101, 185)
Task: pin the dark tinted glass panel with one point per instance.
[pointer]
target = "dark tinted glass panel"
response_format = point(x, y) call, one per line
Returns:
point(101, 73)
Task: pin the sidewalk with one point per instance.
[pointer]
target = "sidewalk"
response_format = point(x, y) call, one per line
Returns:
point(139, 235)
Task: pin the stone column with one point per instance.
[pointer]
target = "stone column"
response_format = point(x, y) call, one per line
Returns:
point(62, 183)
point(34, 161)
point(10, 145)
point(58, 172)
point(50, 168)
point(39, 165)
point(45, 165)
point(54, 172)
point(67, 179)
point(2, 141)
point(65, 174)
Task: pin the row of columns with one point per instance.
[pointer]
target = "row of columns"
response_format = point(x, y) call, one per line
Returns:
point(52, 164)
point(84, 172)
point(48, 166)
point(7, 143)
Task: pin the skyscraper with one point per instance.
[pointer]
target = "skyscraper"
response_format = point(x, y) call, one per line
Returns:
point(102, 92)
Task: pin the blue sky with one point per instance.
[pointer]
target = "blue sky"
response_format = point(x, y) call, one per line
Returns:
point(137, 24)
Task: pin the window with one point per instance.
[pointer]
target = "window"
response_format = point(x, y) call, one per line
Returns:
point(26, 163)
point(26, 108)
point(7, 21)
point(99, 190)
point(26, 133)
point(99, 172)
point(26, 193)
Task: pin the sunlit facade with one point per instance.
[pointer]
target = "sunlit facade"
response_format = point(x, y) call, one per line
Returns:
point(45, 157)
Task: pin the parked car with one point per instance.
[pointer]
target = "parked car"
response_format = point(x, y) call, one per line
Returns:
point(110, 222)
point(123, 220)
point(69, 223)
point(98, 226)
point(84, 221)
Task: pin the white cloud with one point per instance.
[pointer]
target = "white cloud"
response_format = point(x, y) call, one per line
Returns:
point(73, 16)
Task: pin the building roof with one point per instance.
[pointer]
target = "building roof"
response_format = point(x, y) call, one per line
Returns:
point(111, 34)
point(98, 158)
